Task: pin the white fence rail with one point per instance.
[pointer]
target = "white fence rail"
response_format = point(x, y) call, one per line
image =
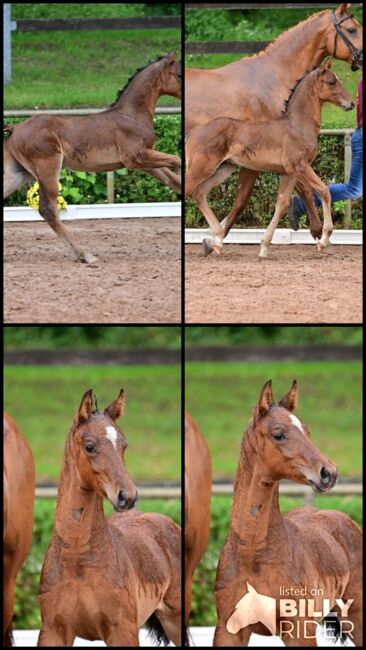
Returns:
point(100, 211)
point(281, 236)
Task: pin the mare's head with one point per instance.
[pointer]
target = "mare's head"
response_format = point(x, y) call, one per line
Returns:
point(170, 77)
point(344, 37)
point(98, 447)
point(330, 89)
point(283, 446)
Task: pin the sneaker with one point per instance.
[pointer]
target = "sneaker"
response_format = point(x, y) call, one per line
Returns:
point(294, 213)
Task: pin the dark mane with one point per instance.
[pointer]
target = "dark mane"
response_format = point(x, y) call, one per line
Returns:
point(292, 92)
point(120, 92)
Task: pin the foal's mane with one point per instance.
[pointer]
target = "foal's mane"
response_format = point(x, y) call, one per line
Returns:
point(293, 90)
point(130, 80)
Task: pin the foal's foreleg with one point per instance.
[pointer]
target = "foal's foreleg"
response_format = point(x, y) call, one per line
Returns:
point(287, 183)
point(316, 225)
point(310, 177)
point(151, 159)
point(166, 176)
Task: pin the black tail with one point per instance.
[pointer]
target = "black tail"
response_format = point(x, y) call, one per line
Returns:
point(8, 637)
point(156, 631)
point(8, 128)
point(332, 629)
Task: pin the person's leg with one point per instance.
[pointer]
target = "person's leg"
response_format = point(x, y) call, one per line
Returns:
point(338, 191)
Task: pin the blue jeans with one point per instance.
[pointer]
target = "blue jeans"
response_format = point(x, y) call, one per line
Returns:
point(343, 191)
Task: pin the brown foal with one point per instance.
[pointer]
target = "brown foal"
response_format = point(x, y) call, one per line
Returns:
point(121, 136)
point(286, 145)
point(316, 553)
point(197, 485)
point(103, 578)
point(254, 88)
point(19, 484)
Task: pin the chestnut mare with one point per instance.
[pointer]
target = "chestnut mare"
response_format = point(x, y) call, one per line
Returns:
point(266, 553)
point(103, 578)
point(197, 485)
point(121, 136)
point(286, 145)
point(255, 88)
point(19, 486)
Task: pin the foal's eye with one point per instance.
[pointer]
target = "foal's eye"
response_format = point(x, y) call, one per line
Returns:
point(279, 436)
point(332, 83)
point(89, 448)
point(352, 30)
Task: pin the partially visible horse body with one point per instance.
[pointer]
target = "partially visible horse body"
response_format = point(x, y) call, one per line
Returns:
point(286, 145)
point(121, 136)
point(19, 485)
point(308, 553)
point(103, 578)
point(198, 480)
point(255, 88)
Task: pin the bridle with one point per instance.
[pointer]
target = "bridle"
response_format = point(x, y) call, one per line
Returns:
point(356, 53)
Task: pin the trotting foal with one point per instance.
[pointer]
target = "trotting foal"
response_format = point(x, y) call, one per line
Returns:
point(286, 145)
point(267, 554)
point(103, 578)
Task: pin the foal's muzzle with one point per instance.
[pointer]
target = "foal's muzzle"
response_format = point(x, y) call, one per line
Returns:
point(125, 502)
point(326, 479)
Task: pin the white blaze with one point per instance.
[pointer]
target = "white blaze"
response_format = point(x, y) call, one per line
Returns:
point(295, 420)
point(112, 435)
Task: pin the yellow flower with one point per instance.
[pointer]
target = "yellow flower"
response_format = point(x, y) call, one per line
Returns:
point(33, 197)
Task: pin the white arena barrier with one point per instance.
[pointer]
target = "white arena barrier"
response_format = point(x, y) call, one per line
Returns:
point(281, 236)
point(100, 211)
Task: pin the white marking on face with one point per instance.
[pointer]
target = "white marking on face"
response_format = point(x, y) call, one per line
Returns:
point(295, 420)
point(112, 435)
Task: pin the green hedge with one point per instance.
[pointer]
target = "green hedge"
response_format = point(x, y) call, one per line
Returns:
point(26, 610)
point(130, 186)
point(329, 165)
point(203, 602)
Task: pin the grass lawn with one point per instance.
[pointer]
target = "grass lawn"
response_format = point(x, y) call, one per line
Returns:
point(43, 401)
point(221, 396)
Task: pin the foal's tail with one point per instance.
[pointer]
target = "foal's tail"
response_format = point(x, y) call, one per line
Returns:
point(156, 630)
point(333, 630)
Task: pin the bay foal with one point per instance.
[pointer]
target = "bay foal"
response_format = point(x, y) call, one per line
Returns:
point(121, 136)
point(19, 485)
point(286, 145)
point(103, 578)
point(264, 551)
point(198, 483)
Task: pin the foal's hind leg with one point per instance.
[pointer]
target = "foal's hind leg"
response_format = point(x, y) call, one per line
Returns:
point(287, 183)
point(15, 176)
point(166, 176)
point(48, 191)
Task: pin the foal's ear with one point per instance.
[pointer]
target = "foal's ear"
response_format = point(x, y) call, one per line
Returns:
point(116, 408)
point(85, 408)
point(265, 400)
point(171, 57)
point(343, 9)
point(290, 400)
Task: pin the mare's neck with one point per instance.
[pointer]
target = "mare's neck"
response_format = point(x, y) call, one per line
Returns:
point(255, 515)
point(300, 49)
point(80, 526)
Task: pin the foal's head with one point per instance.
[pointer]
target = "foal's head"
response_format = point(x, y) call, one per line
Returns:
point(330, 88)
point(98, 448)
point(170, 75)
point(282, 444)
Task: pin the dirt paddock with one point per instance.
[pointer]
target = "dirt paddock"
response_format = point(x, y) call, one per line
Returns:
point(137, 278)
point(296, 284)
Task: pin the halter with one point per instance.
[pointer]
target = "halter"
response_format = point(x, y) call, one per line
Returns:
point(356, 53)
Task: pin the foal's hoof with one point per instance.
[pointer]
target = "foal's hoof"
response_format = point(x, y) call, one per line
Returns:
point(207, 247)
point(218, 249)
point(87, 258)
